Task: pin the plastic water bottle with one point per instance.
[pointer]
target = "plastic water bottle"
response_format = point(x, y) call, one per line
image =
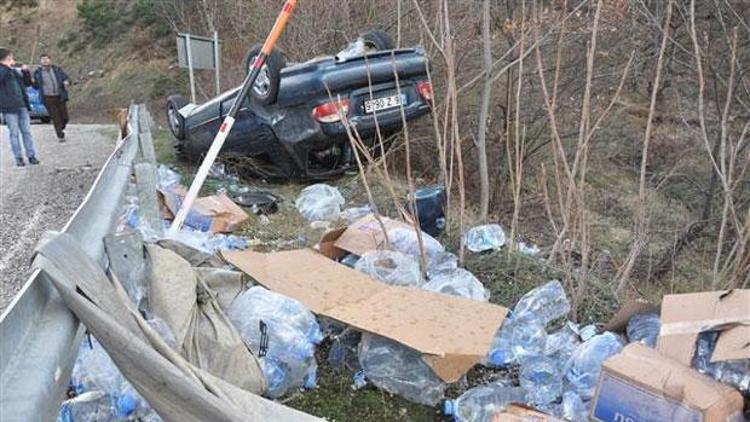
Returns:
point(390, 267)
point(734, 373)
point(547, 303)
point(501, 351)
point(515, 341)
point(573, 408)
point(442, 262)
point(260, 303)
point(644, 328)
point(528, 339)
point(405, 241)
point(399, 370)
point(481, 403)
point(585, 365)
point(458, 282)
point(562, 343)
point(541, 379)
point(320, 202)
point(485, 238)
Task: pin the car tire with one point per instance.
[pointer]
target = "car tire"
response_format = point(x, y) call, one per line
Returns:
point(376, 39)
point(175, 121)
point(266, 87)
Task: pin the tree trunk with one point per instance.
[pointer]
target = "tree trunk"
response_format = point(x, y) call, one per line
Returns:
point(484, 180)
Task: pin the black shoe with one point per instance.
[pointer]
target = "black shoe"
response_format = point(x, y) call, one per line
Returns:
point(33, 161)
point(61, 140)
point(20, 163)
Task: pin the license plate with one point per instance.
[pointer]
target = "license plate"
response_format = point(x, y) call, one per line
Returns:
point(383, 103)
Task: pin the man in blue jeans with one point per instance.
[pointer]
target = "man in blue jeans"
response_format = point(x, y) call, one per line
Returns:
point(14, 106)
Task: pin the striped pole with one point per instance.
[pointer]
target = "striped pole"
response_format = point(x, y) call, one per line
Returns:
point(226, 125)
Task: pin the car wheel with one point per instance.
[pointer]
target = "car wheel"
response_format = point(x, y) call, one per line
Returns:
point(174, 119)
point(266, 87)
point(376, 39)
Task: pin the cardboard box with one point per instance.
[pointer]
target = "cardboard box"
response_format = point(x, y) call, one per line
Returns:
point(215, 213)
point(684, 316)
point(619, 321)
point(453, 333)
point(639, 384)
point(520, 413)
point(366, 234)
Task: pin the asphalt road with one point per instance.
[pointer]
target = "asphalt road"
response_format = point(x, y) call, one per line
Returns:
point(34, 199)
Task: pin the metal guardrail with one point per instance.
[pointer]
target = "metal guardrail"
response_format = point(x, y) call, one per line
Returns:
point(39, 336)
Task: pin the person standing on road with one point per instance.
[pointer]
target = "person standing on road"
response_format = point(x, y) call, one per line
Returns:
point(14, 106)
point(52, 83)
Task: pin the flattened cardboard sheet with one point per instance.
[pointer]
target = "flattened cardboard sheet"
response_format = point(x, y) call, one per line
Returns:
point(453, 332)
point(683, 316)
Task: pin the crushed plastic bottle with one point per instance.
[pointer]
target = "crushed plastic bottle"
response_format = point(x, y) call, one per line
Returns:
point(167, 178)
point(263, 303)
point(546, 303)
point(390, 267)
point(644, 328)
point(350, 260)
point(516, 341)
point(459, 282)
point(587, 331)
point(528, 248)
point(351, 215)
point(399, 370)
point(210, 242)
point(282, 333)
point(405, 241)
point(501, 352)
point(585, 365)
point(485, 238)
point(528, 339)
point(542, 380)
point(343, 353)
point(735, 373)
point(573, 408)
point(562, 343)
point(95, 372)
point(320, 202)
point(480, 403)
point(442, 262)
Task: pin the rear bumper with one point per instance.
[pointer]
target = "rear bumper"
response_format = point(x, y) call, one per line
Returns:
point(366, 127)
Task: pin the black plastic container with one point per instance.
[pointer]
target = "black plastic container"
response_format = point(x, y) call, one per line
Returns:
point(430, 203)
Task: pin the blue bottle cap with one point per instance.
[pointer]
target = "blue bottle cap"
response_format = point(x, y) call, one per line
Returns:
point(126, 404)
point(449, 407)
point(497, 358)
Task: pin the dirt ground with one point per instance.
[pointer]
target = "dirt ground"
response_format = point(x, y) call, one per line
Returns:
point(34, 199)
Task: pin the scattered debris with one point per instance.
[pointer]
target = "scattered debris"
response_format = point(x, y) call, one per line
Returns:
point(434, 325)
point(485, 238)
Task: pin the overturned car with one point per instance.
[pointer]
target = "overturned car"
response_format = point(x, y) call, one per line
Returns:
point(291, 126)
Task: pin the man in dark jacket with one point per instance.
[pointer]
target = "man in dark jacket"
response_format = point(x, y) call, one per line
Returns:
point(14, 106)
point(52, 83)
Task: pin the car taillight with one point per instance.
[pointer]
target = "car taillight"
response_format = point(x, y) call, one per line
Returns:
point(329, 112)
point(425, 90)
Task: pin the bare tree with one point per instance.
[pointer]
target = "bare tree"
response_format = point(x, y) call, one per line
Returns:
point(484, 178)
